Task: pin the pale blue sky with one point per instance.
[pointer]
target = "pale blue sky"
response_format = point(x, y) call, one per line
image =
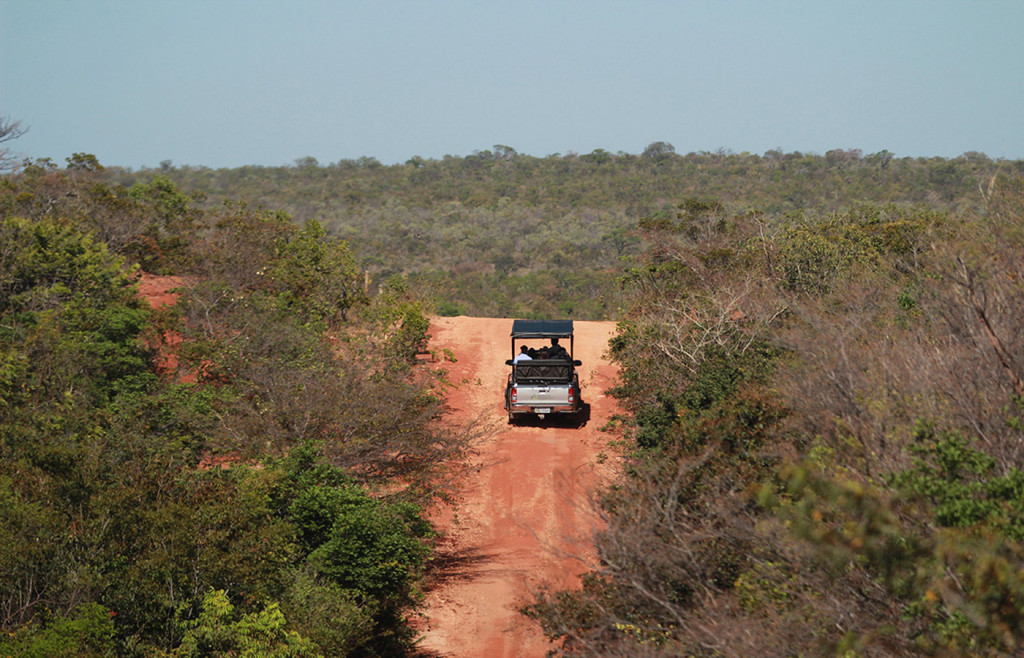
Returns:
point(227, 83)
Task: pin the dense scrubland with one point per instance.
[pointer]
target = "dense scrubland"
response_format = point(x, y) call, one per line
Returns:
point(824, 438)
point(821, 378)
point(502, 234)
point(121, 535)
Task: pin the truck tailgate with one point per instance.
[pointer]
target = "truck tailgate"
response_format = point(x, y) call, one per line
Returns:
point(543, 395)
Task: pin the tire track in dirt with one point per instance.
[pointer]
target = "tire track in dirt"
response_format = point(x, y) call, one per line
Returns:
point(522, 519)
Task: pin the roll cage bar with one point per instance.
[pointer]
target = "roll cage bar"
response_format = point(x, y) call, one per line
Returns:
point(522, 329)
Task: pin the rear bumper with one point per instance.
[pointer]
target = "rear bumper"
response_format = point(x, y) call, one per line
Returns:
point(549, 409)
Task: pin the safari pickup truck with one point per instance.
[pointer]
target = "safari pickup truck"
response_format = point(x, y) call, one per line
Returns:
point(543, 381)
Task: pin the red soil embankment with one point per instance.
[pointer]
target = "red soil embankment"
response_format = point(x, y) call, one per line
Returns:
point(158, 291)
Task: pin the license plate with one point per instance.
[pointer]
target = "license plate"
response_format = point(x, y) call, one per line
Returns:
point(542, 410)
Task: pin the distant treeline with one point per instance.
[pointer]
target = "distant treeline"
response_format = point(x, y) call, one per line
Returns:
point(502, 233)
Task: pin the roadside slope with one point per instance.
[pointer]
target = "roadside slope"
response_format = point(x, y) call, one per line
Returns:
point(522, 519)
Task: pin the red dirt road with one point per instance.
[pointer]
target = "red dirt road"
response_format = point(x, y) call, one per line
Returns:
point(522, 520)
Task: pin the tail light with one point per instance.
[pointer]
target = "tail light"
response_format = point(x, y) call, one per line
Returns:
point(515, 394)
point(572, 397)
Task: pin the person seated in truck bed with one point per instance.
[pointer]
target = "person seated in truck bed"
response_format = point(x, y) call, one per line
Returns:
point(524, 355)
point(556, 351)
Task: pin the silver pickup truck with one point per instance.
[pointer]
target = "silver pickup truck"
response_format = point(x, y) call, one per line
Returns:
point(543, 380)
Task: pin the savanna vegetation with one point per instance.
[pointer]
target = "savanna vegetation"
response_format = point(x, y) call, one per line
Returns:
point(823, 438)
point(241, 473)
point(502, 234)
point(821, 379)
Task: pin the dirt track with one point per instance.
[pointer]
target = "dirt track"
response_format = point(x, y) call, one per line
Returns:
point(522, 521)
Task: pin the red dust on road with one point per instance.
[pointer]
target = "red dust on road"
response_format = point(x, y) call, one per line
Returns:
point(522, 521)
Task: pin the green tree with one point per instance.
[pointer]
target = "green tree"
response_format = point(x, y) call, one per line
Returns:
point(86, 631)
point(261, 633)
point(320, 274)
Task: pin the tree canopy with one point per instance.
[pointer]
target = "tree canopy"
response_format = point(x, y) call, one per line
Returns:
point(822, 441)
point(503, 234)
point(241, 472)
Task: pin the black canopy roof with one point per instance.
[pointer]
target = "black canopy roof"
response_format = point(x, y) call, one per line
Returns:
point(541, 328)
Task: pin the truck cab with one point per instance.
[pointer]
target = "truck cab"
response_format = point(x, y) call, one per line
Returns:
point(544, 382)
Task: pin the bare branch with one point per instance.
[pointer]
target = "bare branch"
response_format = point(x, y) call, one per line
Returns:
point(9, 131)
point(978, 300)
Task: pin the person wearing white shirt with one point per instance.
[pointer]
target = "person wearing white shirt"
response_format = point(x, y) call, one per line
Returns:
point(523, 355)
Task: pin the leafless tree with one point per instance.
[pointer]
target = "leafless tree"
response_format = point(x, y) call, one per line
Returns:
point(9, 131)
